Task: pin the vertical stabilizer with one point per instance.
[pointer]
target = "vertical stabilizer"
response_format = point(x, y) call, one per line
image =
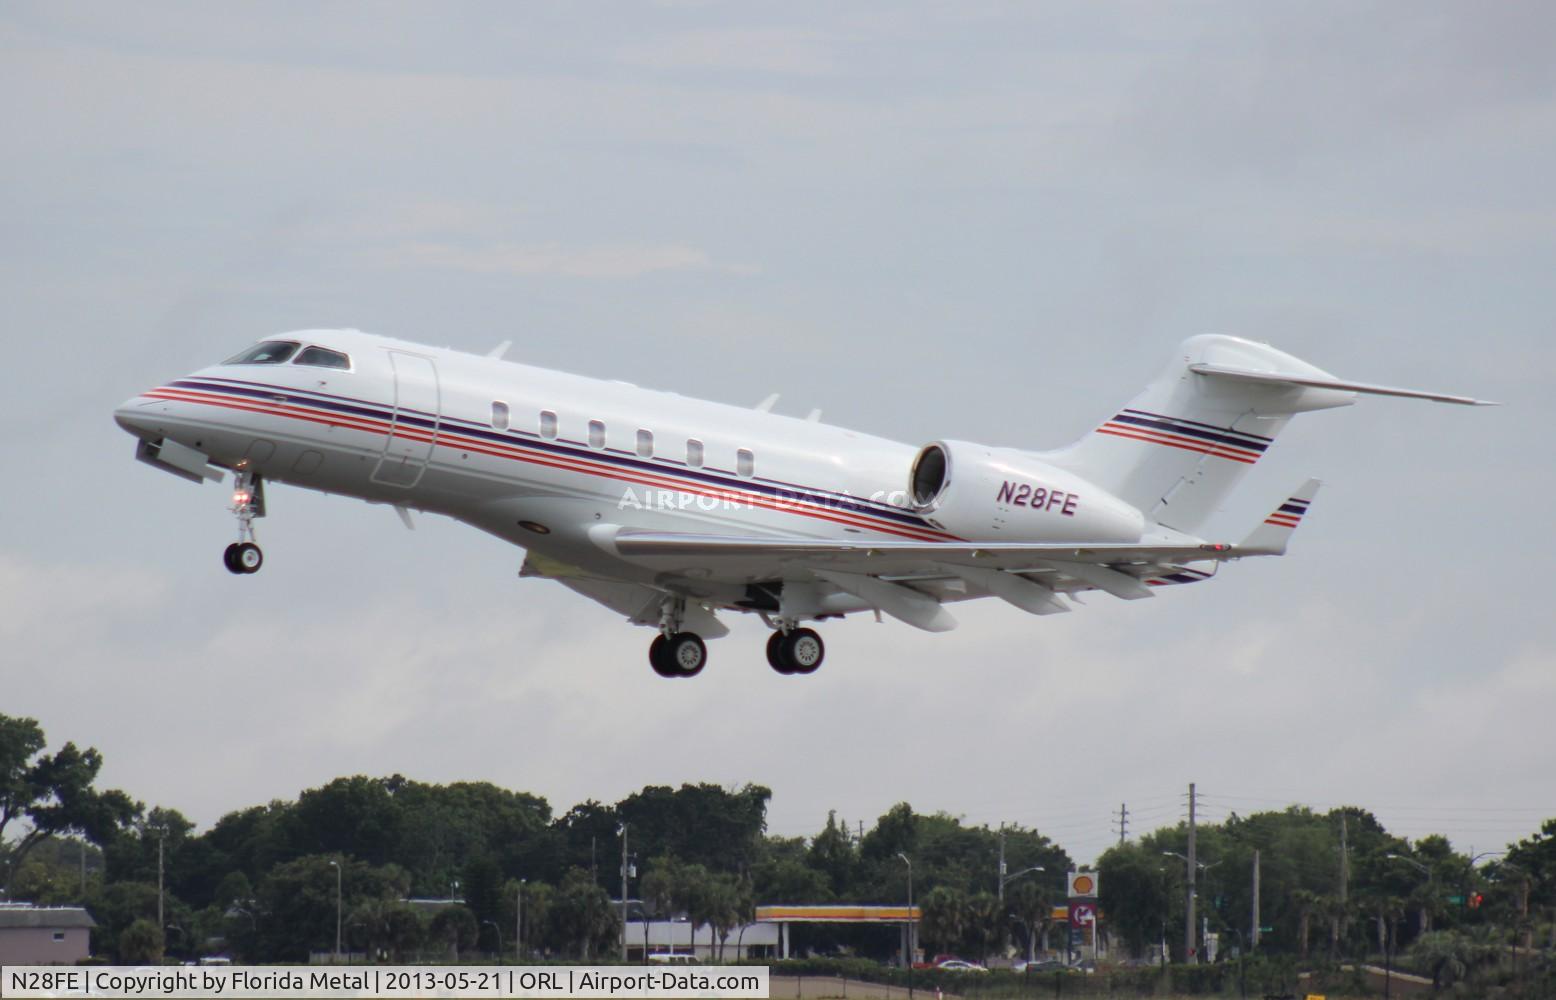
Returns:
point(1179, 447)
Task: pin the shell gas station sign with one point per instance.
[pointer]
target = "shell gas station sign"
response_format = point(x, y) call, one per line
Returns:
point(1082, 911)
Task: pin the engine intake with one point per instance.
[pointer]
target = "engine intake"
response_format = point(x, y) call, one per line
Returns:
point(979, 492)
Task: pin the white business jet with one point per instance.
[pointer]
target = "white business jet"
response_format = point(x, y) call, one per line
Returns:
point(669, 510)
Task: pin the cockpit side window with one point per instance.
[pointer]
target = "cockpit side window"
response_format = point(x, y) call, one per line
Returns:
point(269, 352)
point(323, 357)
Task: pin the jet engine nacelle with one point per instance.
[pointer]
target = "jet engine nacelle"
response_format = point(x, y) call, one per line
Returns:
point(979, 492)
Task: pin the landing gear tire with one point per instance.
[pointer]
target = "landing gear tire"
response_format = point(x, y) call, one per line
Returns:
point(682, 654)
point(797, 652)
point(243, 558)
point(248, 558)
point(775, 654)
point(656, 658)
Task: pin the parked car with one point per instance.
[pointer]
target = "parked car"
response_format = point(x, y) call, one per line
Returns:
point(957, 965)
point(1040, 965)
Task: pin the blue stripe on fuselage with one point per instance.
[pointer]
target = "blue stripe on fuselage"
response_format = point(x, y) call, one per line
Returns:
point(529, 440)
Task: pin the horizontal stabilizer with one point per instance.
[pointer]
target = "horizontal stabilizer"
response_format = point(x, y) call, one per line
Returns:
point(1279, 378)
point(1270, 537)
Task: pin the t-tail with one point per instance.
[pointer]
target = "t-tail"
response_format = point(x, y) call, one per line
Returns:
point(1178, 448)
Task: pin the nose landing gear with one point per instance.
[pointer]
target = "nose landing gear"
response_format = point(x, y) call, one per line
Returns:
point(248, 502)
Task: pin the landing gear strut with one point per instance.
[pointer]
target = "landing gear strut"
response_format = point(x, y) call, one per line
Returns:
point(674, 653)
point(795, 651)
point(248, 502)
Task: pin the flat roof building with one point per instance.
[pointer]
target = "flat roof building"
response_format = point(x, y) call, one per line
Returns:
point(44, 935)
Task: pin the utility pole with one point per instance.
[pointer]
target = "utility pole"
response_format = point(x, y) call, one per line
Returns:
point(624, 895)
point(1001, 878)
point(1190, 954)
point(161, 836)
point(336, 865)
point(1123, 823)
point(1345, 890)
point(1254, 936)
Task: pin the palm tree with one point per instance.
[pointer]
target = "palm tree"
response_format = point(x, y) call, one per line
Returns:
point(658, 889)
point(694, 894)
point(731, 904)
point(1029, 904)
point(944, 917)
point(369, 923)
point(985, 922)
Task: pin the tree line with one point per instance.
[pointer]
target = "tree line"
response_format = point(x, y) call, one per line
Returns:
point(261, 883)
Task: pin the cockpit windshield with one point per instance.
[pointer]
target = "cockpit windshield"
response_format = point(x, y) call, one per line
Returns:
point(323, 357)
point(269, 352)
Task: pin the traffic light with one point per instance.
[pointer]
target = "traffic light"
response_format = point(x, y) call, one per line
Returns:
point(1475, 900)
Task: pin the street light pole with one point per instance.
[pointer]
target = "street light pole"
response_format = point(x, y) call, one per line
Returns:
point(518, 923)
point(910, 949)
point(1190, 953)
point(336, 865)
point(624, 897)
point(161, 836)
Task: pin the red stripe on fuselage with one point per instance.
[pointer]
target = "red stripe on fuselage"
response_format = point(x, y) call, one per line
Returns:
point(452, 439)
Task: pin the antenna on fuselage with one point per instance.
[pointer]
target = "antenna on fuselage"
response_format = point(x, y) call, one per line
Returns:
point(766, 405)
point(500, 350)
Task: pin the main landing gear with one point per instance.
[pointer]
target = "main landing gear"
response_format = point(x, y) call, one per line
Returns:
point(248, 502)
point(675, 653)
point(795, 651)
point(679, 654)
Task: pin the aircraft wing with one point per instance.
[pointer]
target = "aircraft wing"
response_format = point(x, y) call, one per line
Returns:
point(890, 575)
point(883, 556)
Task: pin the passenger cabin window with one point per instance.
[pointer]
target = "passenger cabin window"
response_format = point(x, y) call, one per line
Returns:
point(694, 453)
point(269, 352)
point(500, 416)
point(745, 463)
point(645, 443)
point(323, 357)
point(596, 434)
point(547, 424)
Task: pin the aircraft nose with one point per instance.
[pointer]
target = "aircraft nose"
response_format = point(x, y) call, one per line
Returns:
point(133, 416)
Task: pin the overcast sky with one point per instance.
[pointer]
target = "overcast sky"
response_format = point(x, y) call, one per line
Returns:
point(980, 221)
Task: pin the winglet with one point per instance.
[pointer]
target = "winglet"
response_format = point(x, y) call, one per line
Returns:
point(1269, 538)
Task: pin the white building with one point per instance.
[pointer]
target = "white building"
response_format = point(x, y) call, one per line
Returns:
point(44, 935)
point(676, 937)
